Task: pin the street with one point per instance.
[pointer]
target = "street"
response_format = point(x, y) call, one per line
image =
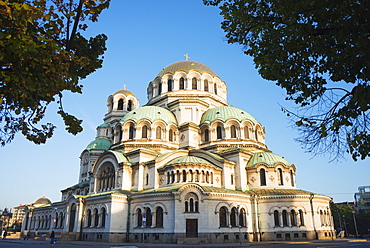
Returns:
point(85, 244)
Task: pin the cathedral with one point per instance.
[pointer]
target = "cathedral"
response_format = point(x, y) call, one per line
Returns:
point(185, 168)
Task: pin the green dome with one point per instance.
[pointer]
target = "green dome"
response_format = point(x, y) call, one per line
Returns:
point(99, 144)
point(225, 113)
point(188, 159)
point(268, 158)
point(151, 113)
point(186, 66)
point(104, 125)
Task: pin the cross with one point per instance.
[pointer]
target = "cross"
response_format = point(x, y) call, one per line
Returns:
point(124, 86)
point(186, 55)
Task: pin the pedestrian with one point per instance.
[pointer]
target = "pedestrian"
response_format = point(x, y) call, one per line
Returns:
point(36, 233)
point(25, 234)
point(4, 234)
point(52, 238)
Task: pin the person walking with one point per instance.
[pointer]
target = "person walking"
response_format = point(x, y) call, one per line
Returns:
point(52, 238)
point(4, 234)
point(25, 234)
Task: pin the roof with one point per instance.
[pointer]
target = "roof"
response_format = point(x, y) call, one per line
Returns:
point(104, 125)
point(151, 113)
point(225, 113)
point(186, 66)
point(274, 191)
point(99, 144)
point(267, 158)
point(42, 201)
point(125, 92)
point(188, 159)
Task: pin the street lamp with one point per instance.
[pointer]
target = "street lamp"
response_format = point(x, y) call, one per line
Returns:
point(345, 225)
point(354, 220)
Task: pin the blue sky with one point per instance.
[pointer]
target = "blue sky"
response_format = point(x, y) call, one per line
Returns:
point(144, 37)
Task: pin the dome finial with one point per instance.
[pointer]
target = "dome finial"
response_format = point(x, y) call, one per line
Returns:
point(124, 86)
point(186, 55)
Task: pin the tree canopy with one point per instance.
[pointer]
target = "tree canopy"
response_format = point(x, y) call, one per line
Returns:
point(42, 54)
point(318, 51)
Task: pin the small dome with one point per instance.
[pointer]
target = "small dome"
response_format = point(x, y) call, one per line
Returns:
point(186, 66)
point(225, 113)
point(104, 125)
point(41, 201)
point(268, 158)
point(125, 92)
point(99, 144)
point(151, 113)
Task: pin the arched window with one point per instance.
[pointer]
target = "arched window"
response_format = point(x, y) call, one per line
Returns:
point(233, 132)
point(172, 177)
point(293, 218)
point(139, 217)
point(56, 221)
point(219, 132)
point(292, 178)
point(206, 85)
point(147, 179)
point(159, 217)
point(96, 215)
point(169, 85)
point(129, 105)
point(215, 89)
point(72, 218)
point(89, 218)
point(131, 132)
point(144, 132)
point(263, 177)
point(276, 218)
point(159, 88)
point(206, 135)
point(103, 213)
point(232, 179)
point(223, 216)
point(301, 217)
point(182, 83)
point(280, 176)
point(168, 177)
point(242, 219)
point(194, 84)
point(191, 203)
point(106, 177)
point(158, 133)
point(233, 217)
point(184, 176)
point(120, 104)
point(61, 222)
point(246, 132)
point(170, 135)
point(148, 217)
point(285, 218)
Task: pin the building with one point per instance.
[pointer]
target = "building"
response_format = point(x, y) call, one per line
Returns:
point(186, 167)
point(362, 198)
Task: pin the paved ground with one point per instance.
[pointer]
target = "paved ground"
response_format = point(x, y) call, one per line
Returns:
point(15, 243)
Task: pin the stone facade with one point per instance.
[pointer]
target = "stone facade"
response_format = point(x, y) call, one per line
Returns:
point(185, 168)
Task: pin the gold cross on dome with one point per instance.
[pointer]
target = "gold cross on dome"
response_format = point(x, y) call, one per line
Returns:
point(186, 55)
point(124, 86)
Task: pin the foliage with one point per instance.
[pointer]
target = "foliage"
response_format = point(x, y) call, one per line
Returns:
point(344, 214)
point(318, 51)
point(42, 54)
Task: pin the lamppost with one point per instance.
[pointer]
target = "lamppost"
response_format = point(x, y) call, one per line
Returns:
point(345, 225)
point(354, 220)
